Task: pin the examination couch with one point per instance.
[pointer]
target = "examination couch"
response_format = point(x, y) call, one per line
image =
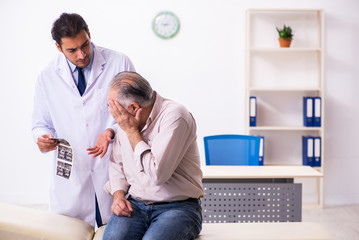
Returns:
point(23, 223)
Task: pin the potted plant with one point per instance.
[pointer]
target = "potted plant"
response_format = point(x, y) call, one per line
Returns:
point(285, 36)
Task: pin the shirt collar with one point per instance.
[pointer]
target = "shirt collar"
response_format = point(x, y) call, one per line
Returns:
point(155, 109)
point(88, 67)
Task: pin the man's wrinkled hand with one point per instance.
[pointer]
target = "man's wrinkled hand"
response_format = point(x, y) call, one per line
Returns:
point(121, 206)
point(124, 119)
point(102, 143)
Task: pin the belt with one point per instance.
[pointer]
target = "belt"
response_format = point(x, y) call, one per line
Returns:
point(194, 200)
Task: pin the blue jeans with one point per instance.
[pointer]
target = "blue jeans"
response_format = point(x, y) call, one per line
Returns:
point(180, 220)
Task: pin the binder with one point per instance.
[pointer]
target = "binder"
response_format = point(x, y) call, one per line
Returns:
point(317, 111)
point(252, 111)
point(308, 148)
point(261, 151)
point(317, 152)
point(308, 111)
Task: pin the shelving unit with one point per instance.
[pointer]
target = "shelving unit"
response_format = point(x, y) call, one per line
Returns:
point(280, 78)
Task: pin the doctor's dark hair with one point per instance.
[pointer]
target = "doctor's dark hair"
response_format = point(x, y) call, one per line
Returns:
point(132, 87)
point(68, 25)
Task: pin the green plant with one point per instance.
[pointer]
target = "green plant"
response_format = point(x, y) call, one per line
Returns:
point(285, 32)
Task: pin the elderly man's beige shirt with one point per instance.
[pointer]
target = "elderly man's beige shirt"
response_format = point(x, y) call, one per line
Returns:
point(165, 166)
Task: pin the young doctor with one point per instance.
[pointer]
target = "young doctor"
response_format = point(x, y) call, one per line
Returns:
point(71, 103)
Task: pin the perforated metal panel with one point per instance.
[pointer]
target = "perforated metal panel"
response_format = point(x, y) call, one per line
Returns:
point(252, 202)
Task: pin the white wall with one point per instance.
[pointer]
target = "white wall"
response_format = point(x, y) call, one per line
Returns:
point(202, 67)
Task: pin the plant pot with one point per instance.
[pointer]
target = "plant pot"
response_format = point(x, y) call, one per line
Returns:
point(285, 42)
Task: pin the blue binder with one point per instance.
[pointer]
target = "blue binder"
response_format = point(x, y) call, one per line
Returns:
point(252, 111)
point(308, 111)
point(317, 111)
point(317, 152)
point(308, 148)
point(261, 151)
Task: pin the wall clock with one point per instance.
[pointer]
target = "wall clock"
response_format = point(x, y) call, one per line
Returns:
point(166, 25)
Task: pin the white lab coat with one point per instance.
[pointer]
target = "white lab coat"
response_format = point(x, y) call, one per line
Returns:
point(60, 110)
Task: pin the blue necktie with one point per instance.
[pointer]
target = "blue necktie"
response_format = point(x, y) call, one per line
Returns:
point(81, 81)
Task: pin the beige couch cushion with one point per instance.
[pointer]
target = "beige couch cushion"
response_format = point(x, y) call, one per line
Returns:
point(29, 224)
point(20, 223)
point(99, 233)
point(264, 231)
point(257, 231)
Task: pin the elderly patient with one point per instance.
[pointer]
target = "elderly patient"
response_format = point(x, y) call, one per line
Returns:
point(155, 176)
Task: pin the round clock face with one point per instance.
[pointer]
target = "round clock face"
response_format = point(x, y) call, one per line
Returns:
point(165, 25)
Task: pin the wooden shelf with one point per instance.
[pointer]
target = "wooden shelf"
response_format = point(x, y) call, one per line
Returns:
point(285, 50)
point(274, 10)
point(284, 128)
point(258, 89)
point(257, 172)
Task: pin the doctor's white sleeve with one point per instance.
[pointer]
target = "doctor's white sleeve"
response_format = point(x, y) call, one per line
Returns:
point(41, 120)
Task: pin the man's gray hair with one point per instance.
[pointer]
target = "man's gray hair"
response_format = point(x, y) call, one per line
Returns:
point(132, 87)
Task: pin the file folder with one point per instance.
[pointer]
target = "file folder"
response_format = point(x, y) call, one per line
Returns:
point(308, 148)
point(308, 111)
point(252, 111)
point(317, 111)
point(261, 151)
point(317, 152)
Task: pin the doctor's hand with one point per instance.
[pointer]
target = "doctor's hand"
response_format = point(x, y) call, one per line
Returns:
point(102, 143)
point(45, 144)
point(120, 205)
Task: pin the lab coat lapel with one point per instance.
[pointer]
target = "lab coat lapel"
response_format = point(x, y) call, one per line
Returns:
point(64, 72)
point(98, 66)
